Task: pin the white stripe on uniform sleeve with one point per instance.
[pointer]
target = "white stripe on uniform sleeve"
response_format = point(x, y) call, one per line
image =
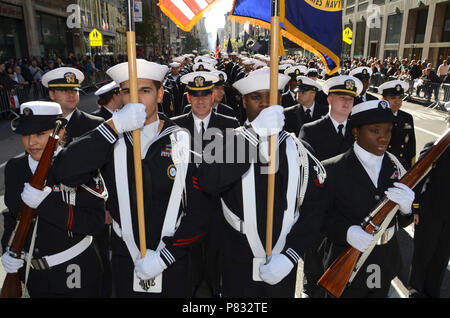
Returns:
point(106, 133)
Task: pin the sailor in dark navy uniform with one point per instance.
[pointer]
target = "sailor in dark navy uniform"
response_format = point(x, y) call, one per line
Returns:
point(108, 100)
point(307, 110)
point(64, 84)
point(357, 181)
point(333, 128)
point(328, 136)
point(431, 228)
point(403, 140)
point(289, 98)
point(61, 260)
point(173, 89)
point(203, 125)
point(176, 214)
point(363, 73)
point(201, 113)
point(242, 186)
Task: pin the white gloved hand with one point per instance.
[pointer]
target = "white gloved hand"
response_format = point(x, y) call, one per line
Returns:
point(270, 121)
point(403, 196)
point(358, 238)
point(11, 264)
point(278, 268)
point(150, 266)
point(130, 117)
point(33, 197)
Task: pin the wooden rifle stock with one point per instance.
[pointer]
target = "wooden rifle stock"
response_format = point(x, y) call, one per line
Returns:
point(336, 277)
point(12, 287)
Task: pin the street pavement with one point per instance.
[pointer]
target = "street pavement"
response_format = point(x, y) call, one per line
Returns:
point(429, 125)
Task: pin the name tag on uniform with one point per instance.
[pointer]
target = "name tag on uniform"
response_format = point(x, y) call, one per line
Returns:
point(257, 261)
point(151, 286)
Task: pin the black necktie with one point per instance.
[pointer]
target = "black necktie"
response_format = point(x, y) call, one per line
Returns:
point(340, 132)
point(308, 114)
point(202, 127)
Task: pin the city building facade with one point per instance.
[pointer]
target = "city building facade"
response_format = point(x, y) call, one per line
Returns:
point(53, 28)
point(412, 29)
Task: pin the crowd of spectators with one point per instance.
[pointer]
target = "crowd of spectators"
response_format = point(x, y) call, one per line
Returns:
point(26, 71)
point(421, 75)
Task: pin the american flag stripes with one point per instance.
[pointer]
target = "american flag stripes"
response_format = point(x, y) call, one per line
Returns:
point(184, 13)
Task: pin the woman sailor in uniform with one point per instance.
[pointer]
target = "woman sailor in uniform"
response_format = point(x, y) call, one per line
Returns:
point(356, 181)
point(60, 259)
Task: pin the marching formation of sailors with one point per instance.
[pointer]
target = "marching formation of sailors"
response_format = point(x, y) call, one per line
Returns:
point(339, 150)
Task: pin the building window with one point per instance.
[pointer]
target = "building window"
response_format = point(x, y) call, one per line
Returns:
point(390, 53)
point(379, 2)
point(363, 6)
point(421, 26)
point(52, 35)
point(394, 27)
point(359, 38)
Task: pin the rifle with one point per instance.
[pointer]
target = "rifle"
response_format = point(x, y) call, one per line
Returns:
point(12, 287)
point(337, 276)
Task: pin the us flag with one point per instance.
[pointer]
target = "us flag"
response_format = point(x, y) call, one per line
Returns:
point(184, 13)
point(217, 46)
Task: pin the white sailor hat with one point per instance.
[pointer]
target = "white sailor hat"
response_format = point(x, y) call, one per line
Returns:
point(259, 80)
point(295, 71)
point(283, 67)
point(37, 116)
point(312, 72)
point(175, 64)
point(232, 54)
point(145, 69)
point(393, 88)
point(371, 112)
point(343, 85)
point(202, 58)
point(179, 59)
point(107, 88)
point(361, 72)
point(222, 77)
point(63, 78)
point(259, 64)
point(248, 61)
point(288, 61)
point(304, 84)
point(202, 67)
point(199, 83)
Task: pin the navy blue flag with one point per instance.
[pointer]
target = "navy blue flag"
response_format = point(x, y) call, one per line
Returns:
point(229, 46)
point(315, 25)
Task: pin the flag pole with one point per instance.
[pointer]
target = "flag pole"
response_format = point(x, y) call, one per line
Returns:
point(132, 71)
point(274, 46)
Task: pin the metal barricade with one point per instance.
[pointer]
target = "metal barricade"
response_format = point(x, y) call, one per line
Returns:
point(4, 103)
point(10, 100)
point(446, 92)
